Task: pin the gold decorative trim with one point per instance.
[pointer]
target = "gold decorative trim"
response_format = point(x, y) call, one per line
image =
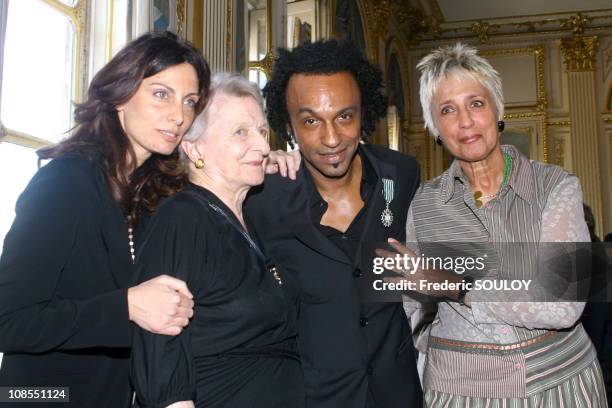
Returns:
point(557, 13)
point(523, 115)
point(538, 53)
point(505, 35)
point(393, 128)
point(530, 115)
point(416, 20)
point(609, 103)
point(269, 26)
point(377, 14)
point(229, 18)
point(532, 136)
point(579, 53)
point(481, 29)
point(414, 127)
point(264, 65)
point(197, 31)
point(180, 18)
point(110, 16)
point(577, 23)
point(560, 123)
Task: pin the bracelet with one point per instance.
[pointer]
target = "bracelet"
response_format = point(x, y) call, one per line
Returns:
point(466, 285)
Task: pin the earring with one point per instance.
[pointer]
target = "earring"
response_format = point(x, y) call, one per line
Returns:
point(199, 163)
point(501, 125)
point(439, 140)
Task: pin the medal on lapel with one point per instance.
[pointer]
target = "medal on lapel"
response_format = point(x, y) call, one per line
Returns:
point(386, 217)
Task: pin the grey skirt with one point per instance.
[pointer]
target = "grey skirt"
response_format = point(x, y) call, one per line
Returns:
point(585, 389)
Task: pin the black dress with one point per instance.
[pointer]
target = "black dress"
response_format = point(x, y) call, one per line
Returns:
point(64, 274)
point(239, 349)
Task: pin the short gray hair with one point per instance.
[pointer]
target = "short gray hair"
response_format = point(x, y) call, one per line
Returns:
point(452, 60)
point(225, 83)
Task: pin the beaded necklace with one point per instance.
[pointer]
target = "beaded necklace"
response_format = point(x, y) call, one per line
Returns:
point(478, 197)
point(131, 238)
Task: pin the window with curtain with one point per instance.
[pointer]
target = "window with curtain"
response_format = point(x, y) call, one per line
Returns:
point(39, 41)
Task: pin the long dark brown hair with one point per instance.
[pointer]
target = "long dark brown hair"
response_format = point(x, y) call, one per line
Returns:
point(99, 136)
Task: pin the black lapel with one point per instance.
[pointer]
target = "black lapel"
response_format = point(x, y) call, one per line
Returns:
point(300, 222)
point(377, 204)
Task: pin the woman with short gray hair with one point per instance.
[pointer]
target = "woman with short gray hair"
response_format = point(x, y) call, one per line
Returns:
point(239, 349)
point(483, 353)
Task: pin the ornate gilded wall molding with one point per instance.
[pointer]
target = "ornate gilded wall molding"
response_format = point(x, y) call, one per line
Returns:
point(539, 118)
point(180, 18)
point(414, 21)
point(559, 123)
point(481, 29)
point(485, 30)
point(110, 11)
point(229, 49)
point(264, 65)
point(539, 56)
point(608, 66)
point(377, 14)
point(523, 115)
point(197, 18)
point(577, 23)
point(579, 53)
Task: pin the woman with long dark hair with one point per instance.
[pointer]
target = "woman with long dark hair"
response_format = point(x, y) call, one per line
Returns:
point(67, 285)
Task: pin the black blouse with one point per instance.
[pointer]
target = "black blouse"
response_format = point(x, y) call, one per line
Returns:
point(64, 274)
point(239, 348)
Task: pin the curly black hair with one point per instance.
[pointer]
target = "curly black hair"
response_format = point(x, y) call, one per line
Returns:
point(324, 57)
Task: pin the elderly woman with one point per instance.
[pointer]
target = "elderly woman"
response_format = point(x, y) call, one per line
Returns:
point(483, 353)
point(239, 350)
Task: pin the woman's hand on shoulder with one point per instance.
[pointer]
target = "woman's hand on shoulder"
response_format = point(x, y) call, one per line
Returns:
point(162, 305)
point(285, 163)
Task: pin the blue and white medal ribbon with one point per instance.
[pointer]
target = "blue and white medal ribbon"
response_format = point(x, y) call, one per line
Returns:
point(387, 216)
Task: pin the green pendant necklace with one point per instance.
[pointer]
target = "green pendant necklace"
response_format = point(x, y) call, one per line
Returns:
point(478, 197)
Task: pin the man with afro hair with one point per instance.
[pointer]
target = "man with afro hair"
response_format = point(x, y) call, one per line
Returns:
point(327, 98)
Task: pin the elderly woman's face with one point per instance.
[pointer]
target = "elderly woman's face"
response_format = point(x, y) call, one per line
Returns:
point(234, 145)
point(465, 115)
